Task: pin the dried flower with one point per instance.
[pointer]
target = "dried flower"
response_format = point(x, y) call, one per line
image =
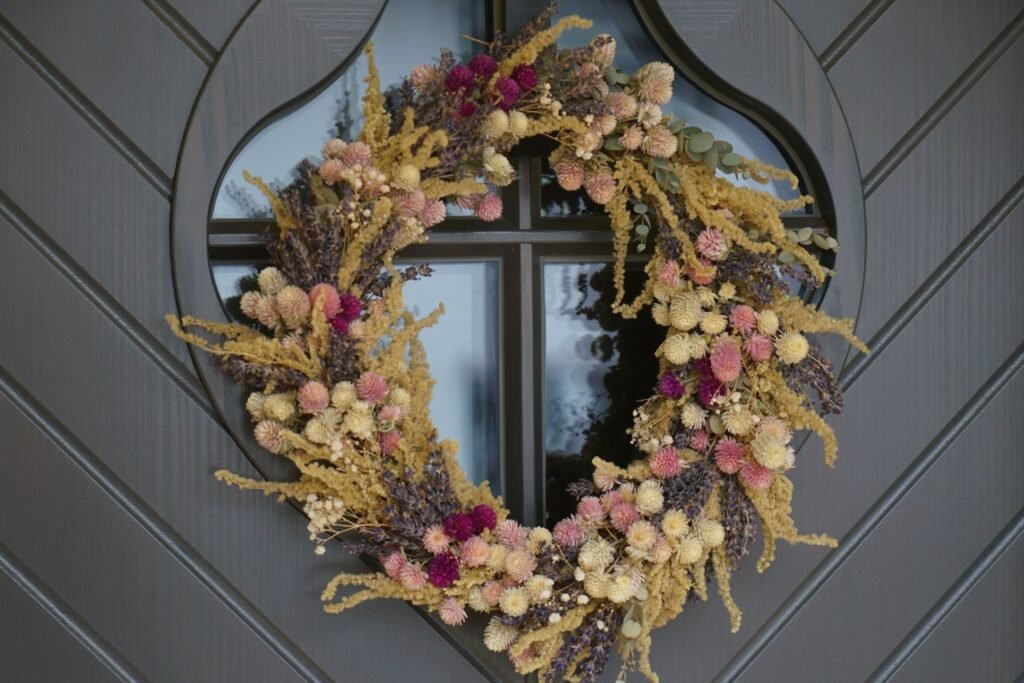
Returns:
point(641, 535)
point(623, 515)
point(328, 295)
point(475, 552)
point(498, 636)
point(759, 347)
point(490, 208)
point(743, 319)
point(459, 78)
point(649, 498)
point(412, 577)
point(511, 534)
point(665, 463)
point(590, 509)
point(393, 563)
point(569, 173)
point(671, 386)
point(451, 612)
point(769, 450)
point(621, 105)
point(738, 421)
point(435, 540)
point(699, 441)
point(525, 76)
point(271, 280)
point(356, 154)
point(632, 138)
point(690, 550)
point(654, 82)
point(712, 245)
point(693, 416)
point(293, 306)
point(313, 397)
point(756, 476)
point(484, 517)
point(520, 564)
point(332, 171)
point(483, 65)
point(792, 347)
point(729, 455)
point(343, 395)
point(422, 75)
point(388, 442)
point(459, 526)
point(333, 148)
point(508, 92)
point(675, 524)
point(496, 124)
point(371, 387)
point(767, 322)
point(660, 142)
point(569, 533)
point(518, 123)
point(270, 435)
point(726, 360)
point(443, 570)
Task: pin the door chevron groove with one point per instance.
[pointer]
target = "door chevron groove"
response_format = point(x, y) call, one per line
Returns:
point(957, 257)
point(131, 152)
point(184, 31)
point(849, 36)
point(150, 520)
point(874, 515)
point(946, 101)
point(66, 617)
point(963, 585)
point(107, 304)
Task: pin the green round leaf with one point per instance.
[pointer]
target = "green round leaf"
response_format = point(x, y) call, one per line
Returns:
point(702, 142)
point(804, 234)
point(820, 240)
point(731, 159)
point(642, 230)
point(833, 243)
point(711, 158)
point(631, 629)
point(690, 131)
point(715, 422)
point(723, 147)
point(640, 207)
point(786, 257)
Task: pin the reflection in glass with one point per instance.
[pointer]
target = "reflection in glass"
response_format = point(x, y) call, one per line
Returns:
point(463, 350)
point(409, 33)
point(597, 368)
point(634, 49)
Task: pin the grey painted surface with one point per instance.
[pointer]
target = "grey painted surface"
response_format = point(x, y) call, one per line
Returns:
point(130, 553)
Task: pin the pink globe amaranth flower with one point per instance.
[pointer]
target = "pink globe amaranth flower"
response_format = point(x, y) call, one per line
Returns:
point(459, 526)
point(490, 208)
point(708, 389)
point(726, 360)
point(412, 578)
point(313, 397)
point(569, 533)
point(729, 455)
point(665, 463)
point(331, 170)
point(590, 509)
point(389, 442)
point(340, 324)
point(510, 533)
point(520, 564)
point(393, 564)
point(759, 347)
point(390, 413)
point(611, 499)
point(508, 92)
point(410, 204)
point(671, 386)
point(467, 202)
point(600, 188)
point(443, 570)
point(704, 274)
point(699, 441)
point(756, 476)
point(350, 306)
point(623, 515)
point(421, 76)
point(526, 76)
point(712, 245)
point(484, 517)
point(451, 612)
point(371, 387)
point(467, 109)
point(743, 319)
point(622, 105)
point(669, 273)
point(330, 297)
point(492, 591)
point(270, 435)
point(435, 540)
point(432, 213)
point(569, 174)
point(483, 65)
point(356, 154)
point(461, 77)
point(474, 552)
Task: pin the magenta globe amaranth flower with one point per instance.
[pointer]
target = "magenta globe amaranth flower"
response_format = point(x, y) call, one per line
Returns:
point(525, 76)
point(459, 526)
point(671, 386)
point(483, 65)
point(459, 78)
point(443, 570)
point(484, 517)
point(508, 92)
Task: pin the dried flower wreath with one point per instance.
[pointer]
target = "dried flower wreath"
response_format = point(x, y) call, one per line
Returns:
point(342, 386)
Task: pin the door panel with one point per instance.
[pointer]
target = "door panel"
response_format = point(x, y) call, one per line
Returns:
point(125, 113)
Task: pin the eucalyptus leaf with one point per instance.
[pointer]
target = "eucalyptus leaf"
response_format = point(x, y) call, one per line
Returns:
point(731, 159)
point(631, 629)
point(786, 257)
point(754, 234)
point(804, 234)
point(690, 131)
point(676, 125)
point(723, 147)
point(642, 230)
point(792, 236)
point(640, 207)
point(715, 423)
point(612, 144)
point(833, 243)
point(701, 143)
point(711, 158)
point(820, 240)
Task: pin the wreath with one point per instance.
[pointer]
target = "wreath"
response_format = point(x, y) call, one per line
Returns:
point(341, 385)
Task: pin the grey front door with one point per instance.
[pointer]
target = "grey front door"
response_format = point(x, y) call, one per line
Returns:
point(124, 559)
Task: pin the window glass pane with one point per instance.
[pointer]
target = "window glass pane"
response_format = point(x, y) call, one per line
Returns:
point(463, 350)
point(634, 49)
point(597, 367)
point(409, 33)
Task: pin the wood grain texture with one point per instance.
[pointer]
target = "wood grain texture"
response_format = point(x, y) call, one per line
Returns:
point(997, 655)
point(905, 61)
point(164, 449)
point(215, 20)
point(24, 627)
point(107, 218)
point(933, 200)
point(124, 60)
point(72, 546)
point(820, 21)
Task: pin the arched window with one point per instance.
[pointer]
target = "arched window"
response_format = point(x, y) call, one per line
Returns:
point(535, 376)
